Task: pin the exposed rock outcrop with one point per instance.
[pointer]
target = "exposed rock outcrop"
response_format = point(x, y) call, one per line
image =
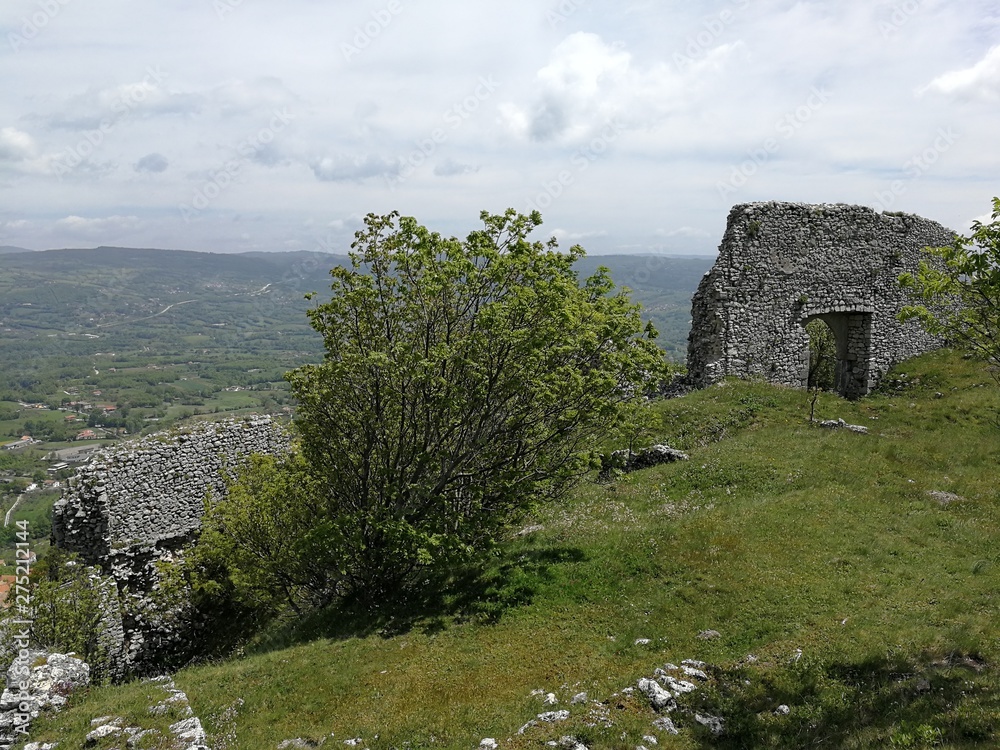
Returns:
point(37, 680)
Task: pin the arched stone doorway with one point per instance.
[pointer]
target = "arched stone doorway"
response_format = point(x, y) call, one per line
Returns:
point(781, 264)
point(853, 333)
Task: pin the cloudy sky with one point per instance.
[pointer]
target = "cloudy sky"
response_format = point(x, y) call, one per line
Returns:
point(634, 126)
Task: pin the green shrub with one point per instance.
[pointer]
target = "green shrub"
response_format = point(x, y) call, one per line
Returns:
point(464, 382)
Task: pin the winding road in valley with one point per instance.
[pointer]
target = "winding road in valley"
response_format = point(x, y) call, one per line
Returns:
point(6, 518)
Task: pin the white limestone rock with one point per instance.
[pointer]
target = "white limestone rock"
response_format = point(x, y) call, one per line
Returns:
point(665, 724)
point(106, 730)
point(658, 698)
point(189, 731)
point(695, 672)
point(554, 716)
point(677, 686)
point(714, 724)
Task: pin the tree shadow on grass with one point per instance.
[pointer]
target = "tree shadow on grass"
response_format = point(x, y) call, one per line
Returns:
point(880, 702)
point(481, 592)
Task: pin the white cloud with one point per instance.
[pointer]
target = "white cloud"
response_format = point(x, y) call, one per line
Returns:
point(19, 155)
point(260, 95)
point(981, 81)
point(564, 235)
point(104, 107)
point(15, 145)
point(986, 218)
point(98, 227)
point(589, 83)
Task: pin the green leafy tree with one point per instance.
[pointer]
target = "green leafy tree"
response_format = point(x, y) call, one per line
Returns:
point(637, 426)
point(67, 603)
point(960, 290)
point(269, 543)
point(463, 382)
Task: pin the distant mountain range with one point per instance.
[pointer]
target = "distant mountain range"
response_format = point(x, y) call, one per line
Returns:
point(12, 249)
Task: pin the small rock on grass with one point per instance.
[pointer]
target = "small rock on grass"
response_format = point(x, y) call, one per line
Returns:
point(694, 672)
point(944, 498)
point(658, 698)
point(840, 424)
point(106, 730)
point(664, 724)
point(714, 724)
point(553, 716)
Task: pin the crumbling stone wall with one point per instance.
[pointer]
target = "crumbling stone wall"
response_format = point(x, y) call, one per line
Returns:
point(151, 491)
point(781, 265)
point(142, 502)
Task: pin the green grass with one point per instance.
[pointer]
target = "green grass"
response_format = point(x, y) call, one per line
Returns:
point(785, 538)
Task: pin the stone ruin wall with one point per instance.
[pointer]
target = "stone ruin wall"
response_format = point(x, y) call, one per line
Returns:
point(151, 492)
point(140, 502)
point(782, 264)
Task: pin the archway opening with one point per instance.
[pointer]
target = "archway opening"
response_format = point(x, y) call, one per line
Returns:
point(822, 373)
point(839, 352)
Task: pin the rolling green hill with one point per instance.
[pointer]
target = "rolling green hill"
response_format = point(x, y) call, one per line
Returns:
point(842, 589)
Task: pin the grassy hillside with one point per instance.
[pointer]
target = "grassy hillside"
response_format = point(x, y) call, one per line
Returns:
point(838, 585)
